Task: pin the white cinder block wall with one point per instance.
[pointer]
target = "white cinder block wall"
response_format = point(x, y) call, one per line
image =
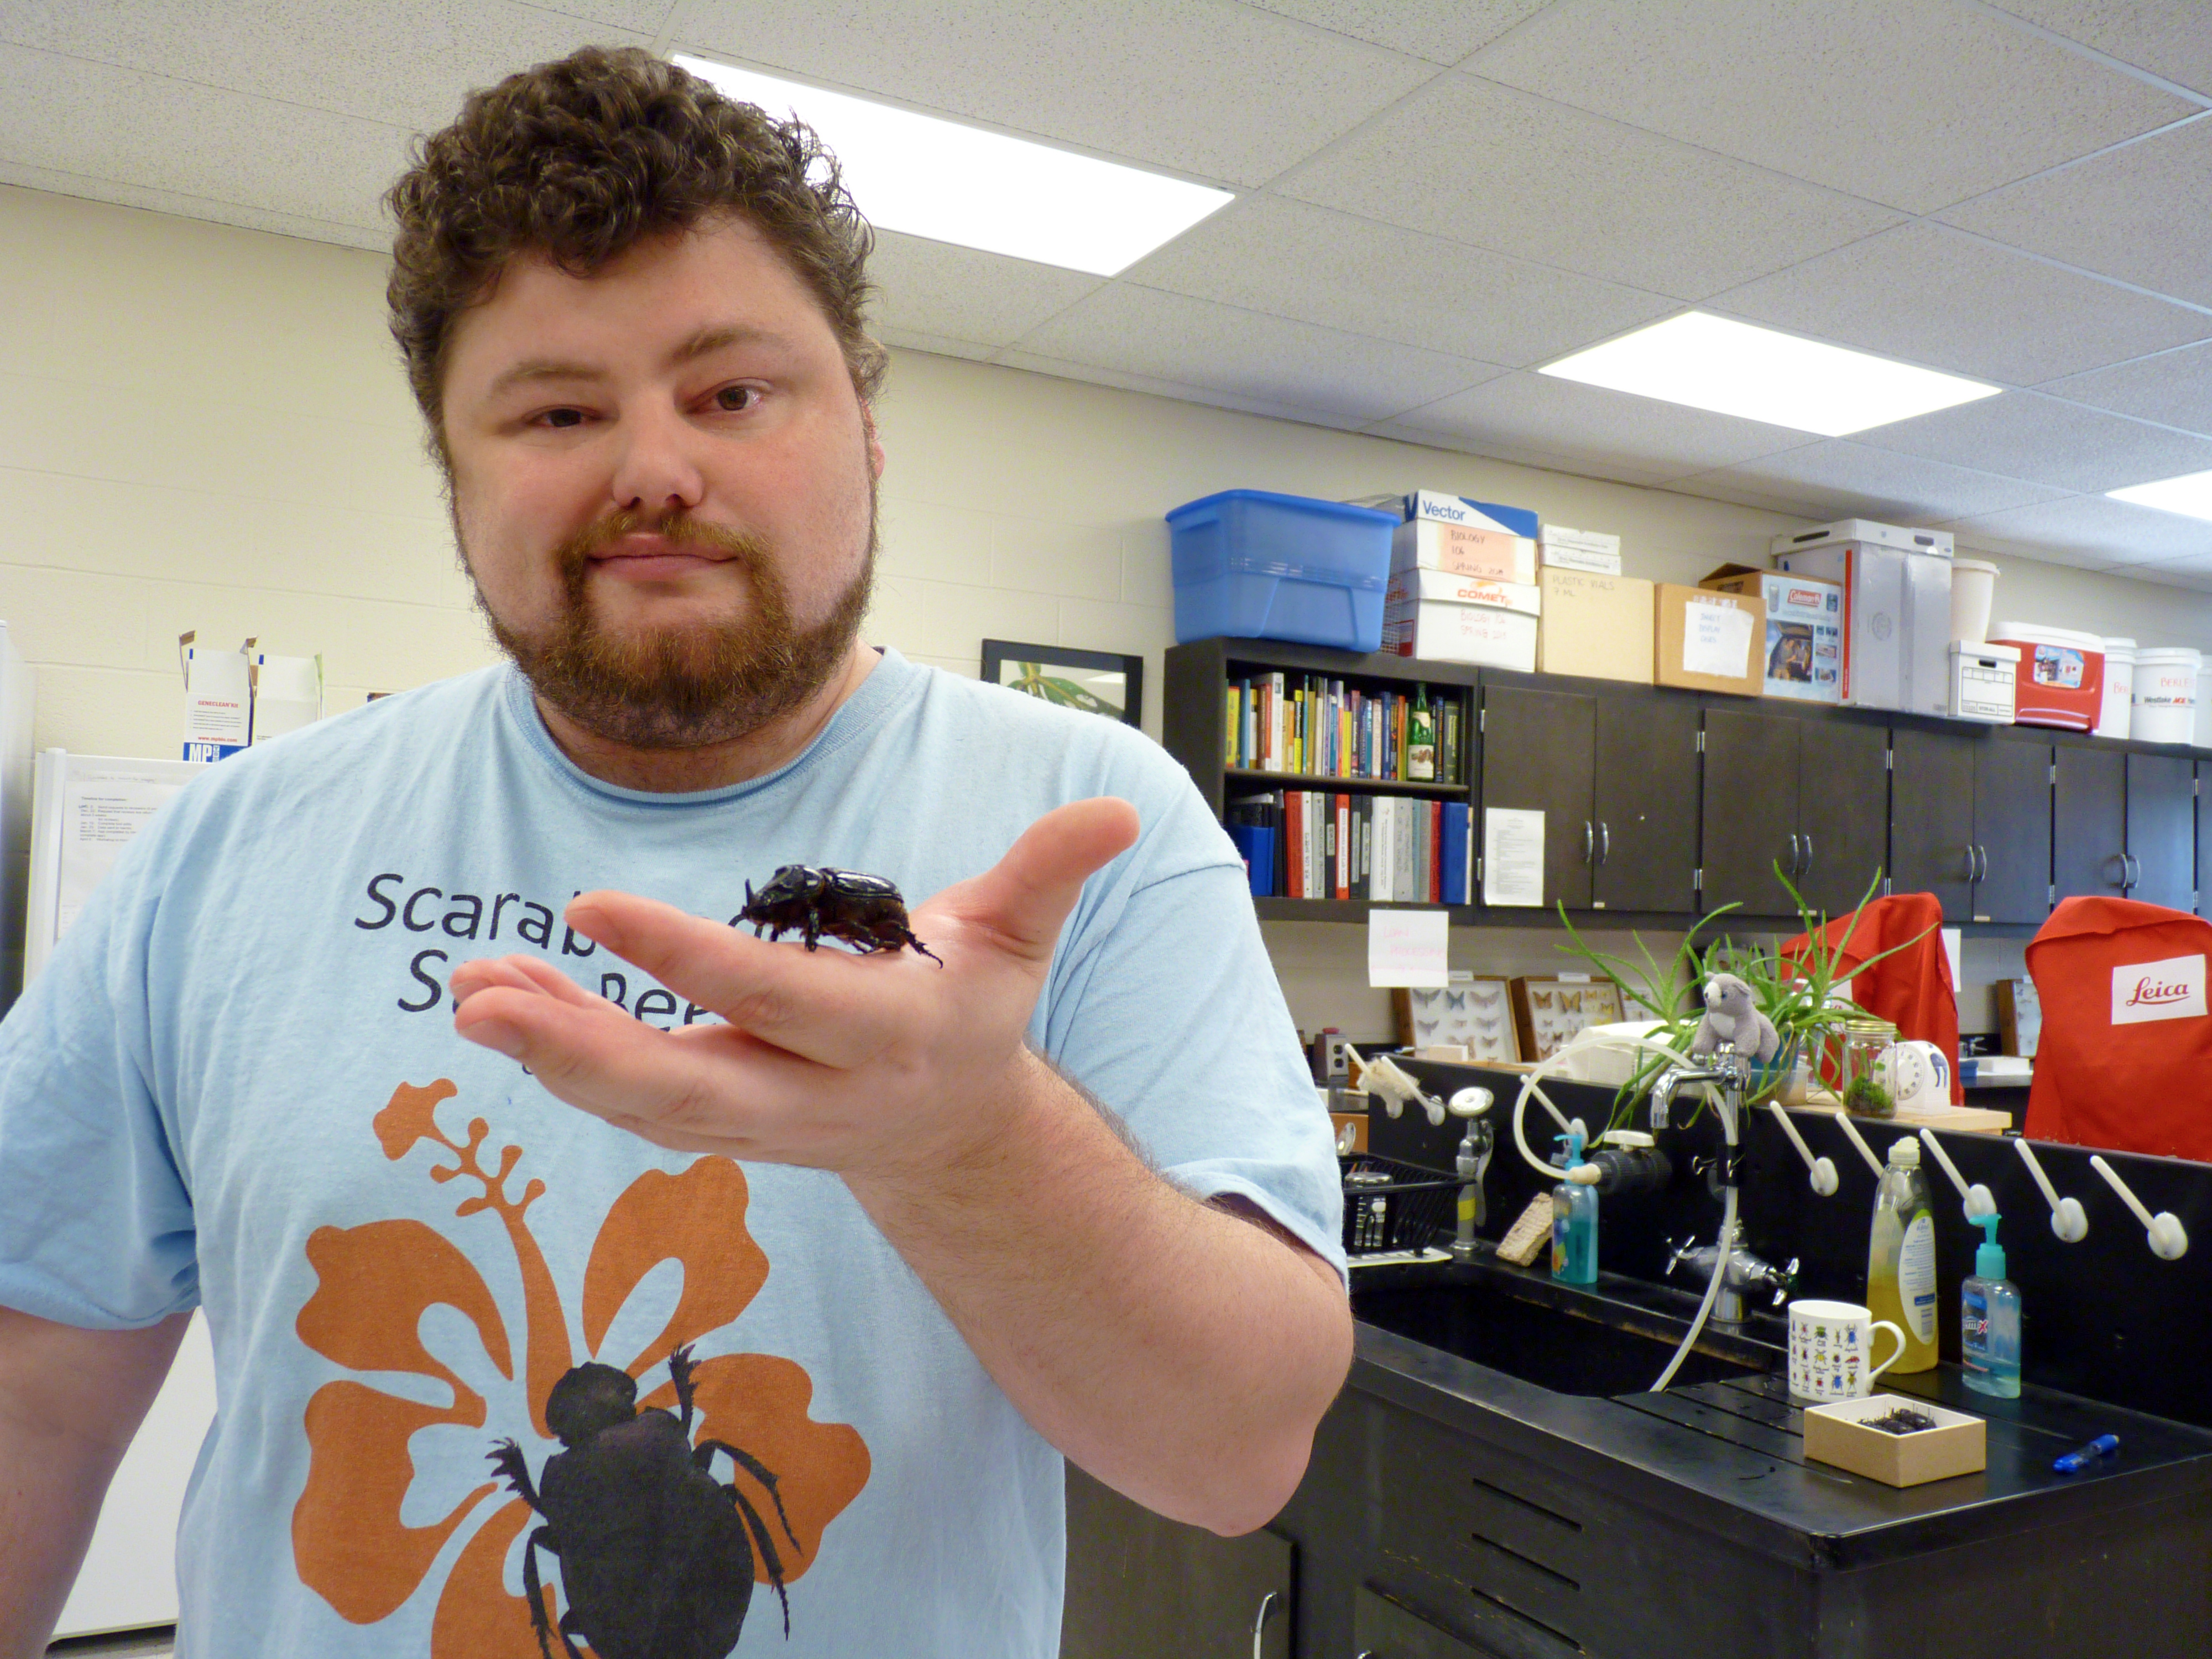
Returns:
point(206, 427)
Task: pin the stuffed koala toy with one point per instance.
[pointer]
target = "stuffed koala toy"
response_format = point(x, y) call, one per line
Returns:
point(1731, 1016)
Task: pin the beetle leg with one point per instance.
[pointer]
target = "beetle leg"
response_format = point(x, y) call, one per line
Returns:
point(533, 1591)
point(704, 1456)
point(813, 928)
point(766, 1544)
point(507, 1462)
point(679, 1373)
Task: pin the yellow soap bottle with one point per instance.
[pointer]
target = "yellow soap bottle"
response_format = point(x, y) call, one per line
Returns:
point(1901, 1256)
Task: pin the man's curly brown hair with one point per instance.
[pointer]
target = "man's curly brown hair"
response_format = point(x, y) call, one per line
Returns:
point(582, 159)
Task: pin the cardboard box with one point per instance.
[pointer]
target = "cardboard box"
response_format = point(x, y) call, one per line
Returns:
point(1706, 641)
point(1463, 551)
point(1597, 626)
point(1803, 646)
point(288, 694)
point(1438, 630)
point(1580, 550)
point(1442, 586)
point(1435, 506)
point(1836, 1434)
point(218, 699)
point(1874, 534)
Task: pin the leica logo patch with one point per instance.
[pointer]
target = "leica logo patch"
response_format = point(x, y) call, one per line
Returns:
point(2172, 989)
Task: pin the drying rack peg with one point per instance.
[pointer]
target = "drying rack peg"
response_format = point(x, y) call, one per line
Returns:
point(2068, 1218)
point(1852, 1133)
point(2169, 1239)
point(1980, 1202)
point(1819, 1172)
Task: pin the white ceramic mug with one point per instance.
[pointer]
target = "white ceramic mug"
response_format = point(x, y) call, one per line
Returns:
point(1832, 1351)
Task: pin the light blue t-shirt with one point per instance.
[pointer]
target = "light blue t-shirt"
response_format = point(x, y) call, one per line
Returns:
point(237, 1086)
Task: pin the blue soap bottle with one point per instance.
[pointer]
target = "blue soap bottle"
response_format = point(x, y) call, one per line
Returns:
point(1989, 1319)
point(1574, 1220)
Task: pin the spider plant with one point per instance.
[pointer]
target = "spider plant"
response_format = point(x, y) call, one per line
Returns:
point(1798, 993)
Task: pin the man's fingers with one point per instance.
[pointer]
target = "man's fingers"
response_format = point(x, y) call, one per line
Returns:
point(1024, 898)
point(518, 973)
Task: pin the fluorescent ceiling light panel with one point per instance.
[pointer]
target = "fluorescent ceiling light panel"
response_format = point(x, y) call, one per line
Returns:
point(951, 183)
point(1736, 368)
point(2191, 493)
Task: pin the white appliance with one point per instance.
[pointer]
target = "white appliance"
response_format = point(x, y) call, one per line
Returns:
point(1871, 532)
point(129, 1579)
point(85, 810)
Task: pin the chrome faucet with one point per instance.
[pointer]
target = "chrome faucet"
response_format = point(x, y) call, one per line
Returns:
point(1471, 1164)
point(1745, 1271)
point(1730, 1069)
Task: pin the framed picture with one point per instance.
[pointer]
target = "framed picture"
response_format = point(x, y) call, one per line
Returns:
point(1096, 682)
point(1473, 1010)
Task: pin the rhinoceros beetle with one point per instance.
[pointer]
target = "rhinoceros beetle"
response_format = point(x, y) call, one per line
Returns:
point(656, 1556)
point(865, 911)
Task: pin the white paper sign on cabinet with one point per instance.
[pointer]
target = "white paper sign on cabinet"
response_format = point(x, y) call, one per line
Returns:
point(1512, 856)
point(1407, 947)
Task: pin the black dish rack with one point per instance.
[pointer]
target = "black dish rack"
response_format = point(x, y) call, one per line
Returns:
point(1390, 1206)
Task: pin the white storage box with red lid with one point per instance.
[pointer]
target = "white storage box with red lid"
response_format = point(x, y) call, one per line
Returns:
point(2061, 675)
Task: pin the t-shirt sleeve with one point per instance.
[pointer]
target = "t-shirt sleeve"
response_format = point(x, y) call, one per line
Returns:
point(96, 1218)
point(1164, 1005)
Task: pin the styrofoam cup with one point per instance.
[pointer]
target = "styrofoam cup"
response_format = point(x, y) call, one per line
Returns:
point(1973, 588)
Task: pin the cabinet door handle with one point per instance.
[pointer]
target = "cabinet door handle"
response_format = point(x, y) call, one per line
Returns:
point(1589, 843)
point(1793, 854)
point(1971, 866)
point(1604, 842)
point(1985, 853)
point(1259, 1625)
point(2120, 858)
point(1809, 853)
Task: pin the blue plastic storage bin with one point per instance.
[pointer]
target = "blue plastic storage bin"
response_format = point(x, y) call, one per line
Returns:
point(1251, 564)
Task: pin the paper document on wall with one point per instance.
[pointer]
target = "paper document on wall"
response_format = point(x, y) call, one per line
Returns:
point(1512, 856)
point(1407, 947)
point(1716, 640)
point(1952, 936)
point(100, 816)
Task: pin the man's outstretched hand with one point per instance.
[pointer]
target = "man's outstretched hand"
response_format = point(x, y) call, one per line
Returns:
point(859, 1065)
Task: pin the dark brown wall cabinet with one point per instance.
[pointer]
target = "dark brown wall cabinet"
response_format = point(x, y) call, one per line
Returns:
point(2124, 825)
point(1970, 821)
point(1616, 778)
point(1810, 797)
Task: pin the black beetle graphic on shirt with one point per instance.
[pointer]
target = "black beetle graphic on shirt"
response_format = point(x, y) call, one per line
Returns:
point(656, 1556)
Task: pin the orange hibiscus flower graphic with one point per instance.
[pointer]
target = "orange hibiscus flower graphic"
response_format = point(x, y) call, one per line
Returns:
point(353, 1541)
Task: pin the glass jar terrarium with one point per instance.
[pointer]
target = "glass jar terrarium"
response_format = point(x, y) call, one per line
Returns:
point(1864, 1041)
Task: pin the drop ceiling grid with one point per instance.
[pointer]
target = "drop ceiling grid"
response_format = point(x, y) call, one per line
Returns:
point(1411, 238)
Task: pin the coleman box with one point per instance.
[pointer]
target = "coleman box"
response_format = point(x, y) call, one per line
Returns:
point(1597, 626)
point(1804, 641)
point(1707, 641)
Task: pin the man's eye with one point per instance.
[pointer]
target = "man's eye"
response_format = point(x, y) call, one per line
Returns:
point(737, 399)
point(564, 417)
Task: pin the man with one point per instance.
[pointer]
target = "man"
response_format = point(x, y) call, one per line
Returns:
point(779, 1338)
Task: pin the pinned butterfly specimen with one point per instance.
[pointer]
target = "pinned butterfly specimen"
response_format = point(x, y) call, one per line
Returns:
point(1427, 1028)
point(1456, 999)
point(1571, 1001)
point(1541, 998)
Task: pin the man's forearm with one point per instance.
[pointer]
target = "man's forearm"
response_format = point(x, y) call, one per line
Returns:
point(1180, 1354)
point(70, 1401)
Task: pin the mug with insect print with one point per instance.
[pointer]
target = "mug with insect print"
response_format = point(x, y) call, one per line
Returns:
point(1832, 1351)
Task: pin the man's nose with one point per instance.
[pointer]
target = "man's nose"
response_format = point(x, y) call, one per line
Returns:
point(658, 467)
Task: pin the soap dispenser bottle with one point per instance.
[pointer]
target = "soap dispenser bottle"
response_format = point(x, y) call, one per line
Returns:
point(1989, 1320)
point(1574, 1217)
point(1901, 1257)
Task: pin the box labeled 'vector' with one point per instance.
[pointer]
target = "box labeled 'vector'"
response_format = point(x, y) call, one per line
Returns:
point(1804, 647)
point(1463, 551)
point(1597, 626)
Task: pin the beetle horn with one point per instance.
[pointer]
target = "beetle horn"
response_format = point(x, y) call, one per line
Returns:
point(749, 892)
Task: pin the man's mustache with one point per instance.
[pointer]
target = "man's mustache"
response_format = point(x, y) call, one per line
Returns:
point(674, 524)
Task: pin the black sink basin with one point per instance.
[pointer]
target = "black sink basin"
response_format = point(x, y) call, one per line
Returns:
point(1562, 1346)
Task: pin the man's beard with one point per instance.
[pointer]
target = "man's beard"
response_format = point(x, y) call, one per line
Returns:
point(684, 688)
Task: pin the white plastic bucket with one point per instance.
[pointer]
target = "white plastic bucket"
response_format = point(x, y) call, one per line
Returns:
point(2119, 688)
point(2166, 694)
point(1973, 588)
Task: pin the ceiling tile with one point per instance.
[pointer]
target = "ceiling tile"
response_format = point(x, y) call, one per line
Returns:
point(1847, 479)
point(1181, 390)
point(937, 345)
point(1931, 296)
point(1293, 260)
point(76, 117)
point(2061, 443)
point(1494, 167)
point(1205, 87)
point(960, 294)
point(1591, 429)
point(408, 62)
point(1442, 31)
point(1725, 487)
point(1962, 102)
point(640, 17)
point(2094, 532)
point(2169, 39)
point(2175, 387)
point(2136, 213)
point(1169, 338)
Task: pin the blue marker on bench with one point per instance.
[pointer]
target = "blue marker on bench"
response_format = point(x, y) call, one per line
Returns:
point(2104, 1445)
